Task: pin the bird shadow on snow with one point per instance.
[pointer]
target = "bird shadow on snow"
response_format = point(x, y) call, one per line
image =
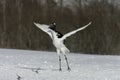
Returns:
point(36, 70)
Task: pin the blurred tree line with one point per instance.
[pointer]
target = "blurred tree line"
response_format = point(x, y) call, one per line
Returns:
point(102, 37)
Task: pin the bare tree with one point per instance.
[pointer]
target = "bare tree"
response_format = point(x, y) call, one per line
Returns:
point(3, 35)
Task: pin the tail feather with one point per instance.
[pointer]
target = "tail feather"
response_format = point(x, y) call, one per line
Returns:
point(65, 50)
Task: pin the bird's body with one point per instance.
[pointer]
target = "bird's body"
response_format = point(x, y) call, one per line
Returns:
point(59, 44)
point(58, 39)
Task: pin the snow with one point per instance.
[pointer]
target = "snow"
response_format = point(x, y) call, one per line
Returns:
point(23, 63)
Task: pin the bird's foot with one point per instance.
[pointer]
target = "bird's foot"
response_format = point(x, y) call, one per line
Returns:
point(69, 69)
point(60, 69)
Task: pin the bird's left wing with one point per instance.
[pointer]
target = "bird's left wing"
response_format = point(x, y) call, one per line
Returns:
point(43, 27)
point(73, 32)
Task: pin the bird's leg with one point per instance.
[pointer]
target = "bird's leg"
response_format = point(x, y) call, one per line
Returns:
point(67, 62)
point(60, 63)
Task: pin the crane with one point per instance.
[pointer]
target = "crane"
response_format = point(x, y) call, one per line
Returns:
point(58, 39)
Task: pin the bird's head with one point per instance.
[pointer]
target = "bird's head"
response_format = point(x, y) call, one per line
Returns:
point(54, 24)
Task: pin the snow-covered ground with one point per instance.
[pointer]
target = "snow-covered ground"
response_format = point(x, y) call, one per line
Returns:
point(23, 65)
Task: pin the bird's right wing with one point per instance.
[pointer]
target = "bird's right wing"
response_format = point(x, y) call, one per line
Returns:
point(73, 32)
point(44, 28)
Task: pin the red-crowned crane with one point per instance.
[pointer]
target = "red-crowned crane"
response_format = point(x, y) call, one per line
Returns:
point(58, 39)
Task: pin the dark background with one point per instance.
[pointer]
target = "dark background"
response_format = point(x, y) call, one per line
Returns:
point(102, 37)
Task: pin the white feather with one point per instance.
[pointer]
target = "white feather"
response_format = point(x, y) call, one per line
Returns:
point(44, 28)
point(73, 32)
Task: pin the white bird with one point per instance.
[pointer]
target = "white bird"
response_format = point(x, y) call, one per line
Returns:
point(58, 39)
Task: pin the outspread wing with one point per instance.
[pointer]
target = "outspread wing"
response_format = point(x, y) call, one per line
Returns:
point(73, 32)
point(44, 28)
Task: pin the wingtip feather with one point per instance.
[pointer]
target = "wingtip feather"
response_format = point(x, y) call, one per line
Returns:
point(34, 23)
point(90, 22)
